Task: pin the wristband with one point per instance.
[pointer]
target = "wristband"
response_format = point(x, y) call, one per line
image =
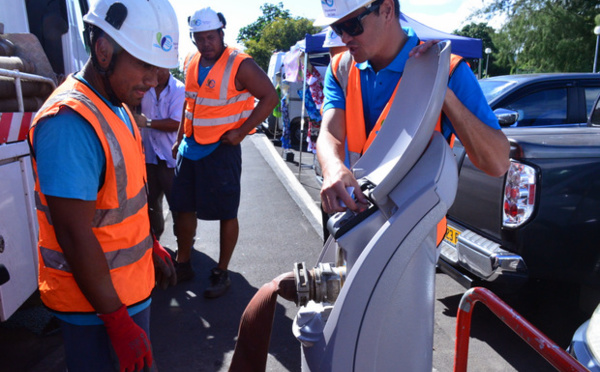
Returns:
point(148, 123)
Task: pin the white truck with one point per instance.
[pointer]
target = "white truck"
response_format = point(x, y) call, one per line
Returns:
point(40, 43)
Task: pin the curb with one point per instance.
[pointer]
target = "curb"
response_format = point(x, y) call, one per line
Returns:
point(289, 181)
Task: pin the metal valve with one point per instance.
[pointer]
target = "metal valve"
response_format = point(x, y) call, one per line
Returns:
point(320, 284)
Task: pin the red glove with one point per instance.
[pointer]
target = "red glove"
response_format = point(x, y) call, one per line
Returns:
point(130, 342)
point(163, 266)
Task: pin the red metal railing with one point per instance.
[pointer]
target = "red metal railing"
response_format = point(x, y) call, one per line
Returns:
point(556, 356)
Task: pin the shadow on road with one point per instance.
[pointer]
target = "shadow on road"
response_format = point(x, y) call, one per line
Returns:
point(190, 332)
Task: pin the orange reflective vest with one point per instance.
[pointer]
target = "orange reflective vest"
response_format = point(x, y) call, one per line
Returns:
point(121, 222)
point(217, 106)
point(348, 75)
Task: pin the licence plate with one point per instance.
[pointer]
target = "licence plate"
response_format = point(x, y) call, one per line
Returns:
point(451, 235)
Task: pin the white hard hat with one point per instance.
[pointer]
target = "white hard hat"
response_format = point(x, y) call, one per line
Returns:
point(146, 29)
point(206, 19)
point(334, 10)
point(332, 39)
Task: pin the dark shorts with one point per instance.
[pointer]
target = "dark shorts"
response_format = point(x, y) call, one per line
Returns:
point(209, 186)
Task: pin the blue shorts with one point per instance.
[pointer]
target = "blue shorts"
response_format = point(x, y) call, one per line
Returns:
point(209, 186)
point(88, 348)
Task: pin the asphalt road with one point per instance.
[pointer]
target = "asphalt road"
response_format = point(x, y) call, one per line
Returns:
point(279, 225)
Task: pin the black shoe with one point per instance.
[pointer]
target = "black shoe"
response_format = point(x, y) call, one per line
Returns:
point(219, 283)
point(184, 271)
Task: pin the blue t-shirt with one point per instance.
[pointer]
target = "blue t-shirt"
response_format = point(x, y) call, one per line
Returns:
point(378, 87)
point(71, 164)
point(189, 148)
point(70, 159)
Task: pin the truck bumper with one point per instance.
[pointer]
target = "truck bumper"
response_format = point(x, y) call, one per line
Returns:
point(477, 257)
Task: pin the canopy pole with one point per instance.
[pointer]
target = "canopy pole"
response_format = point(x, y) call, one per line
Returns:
point(302, 113)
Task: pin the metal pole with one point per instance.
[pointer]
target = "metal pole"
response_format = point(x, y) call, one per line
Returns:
point(487, 51)
point(596, 53)
point(550, 351)
point(302, 113)
point(487, 62)
point(597, 33)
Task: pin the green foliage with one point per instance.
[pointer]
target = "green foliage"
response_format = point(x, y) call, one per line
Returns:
point(253, 31)
point(544, 35)
point(278, 34)
point(486, 33)
point(178, 74)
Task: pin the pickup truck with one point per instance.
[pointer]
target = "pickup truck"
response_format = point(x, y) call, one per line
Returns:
point(541, 221)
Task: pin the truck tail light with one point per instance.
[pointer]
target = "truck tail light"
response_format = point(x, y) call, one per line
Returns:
point(519, 194)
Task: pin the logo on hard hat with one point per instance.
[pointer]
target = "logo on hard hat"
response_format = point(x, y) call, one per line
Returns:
point(211, 83)
point(327, 2)
point(164, 42)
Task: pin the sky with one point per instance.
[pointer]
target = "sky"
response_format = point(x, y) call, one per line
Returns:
point(444, 15)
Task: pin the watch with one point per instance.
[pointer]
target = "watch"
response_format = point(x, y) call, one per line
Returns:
point(148, 123)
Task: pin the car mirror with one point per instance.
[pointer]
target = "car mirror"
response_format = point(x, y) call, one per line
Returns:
point(506, 117)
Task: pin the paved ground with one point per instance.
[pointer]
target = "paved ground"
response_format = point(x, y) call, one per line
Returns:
point(280, 225)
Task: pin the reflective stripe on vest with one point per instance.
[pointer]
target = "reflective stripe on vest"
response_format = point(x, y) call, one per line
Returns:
point(348, 76)
point(217, 106)
point(120, 223)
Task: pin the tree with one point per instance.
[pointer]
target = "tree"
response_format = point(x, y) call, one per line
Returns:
point(253, 31)
point(545, 36)
point(486, 33)
point(279, 33)
point(177, 74)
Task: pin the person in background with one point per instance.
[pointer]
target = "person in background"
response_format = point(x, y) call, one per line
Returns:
point(221, 86)
point(360, 84)
point(96, 251)
point(334, 42)
point(161, 110)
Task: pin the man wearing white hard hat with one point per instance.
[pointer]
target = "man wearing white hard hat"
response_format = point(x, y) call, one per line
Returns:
point(334, 42)
point(221, 86)
point(96, 250)
point(360, 84)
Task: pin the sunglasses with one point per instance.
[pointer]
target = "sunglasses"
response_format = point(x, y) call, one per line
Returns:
point(353, 26)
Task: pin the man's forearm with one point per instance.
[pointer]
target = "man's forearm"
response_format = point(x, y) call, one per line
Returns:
point(487, 147)
point(263, 109)
point(165, 125)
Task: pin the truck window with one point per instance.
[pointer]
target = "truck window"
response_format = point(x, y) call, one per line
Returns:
point(591, 93)
point(48, 21)
point(595, 115)
point(542, 108)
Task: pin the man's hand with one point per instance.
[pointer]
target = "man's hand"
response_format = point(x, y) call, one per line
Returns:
point(140, 120)
point(175, 149)
point(334, 191)
point(129, 341)
point(233, 137)
point(163, 266)
point(422, 48)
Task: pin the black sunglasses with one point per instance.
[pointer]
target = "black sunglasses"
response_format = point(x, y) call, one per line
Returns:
point(353, 26)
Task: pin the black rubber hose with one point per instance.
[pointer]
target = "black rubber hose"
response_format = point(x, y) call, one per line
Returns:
point(254, 335)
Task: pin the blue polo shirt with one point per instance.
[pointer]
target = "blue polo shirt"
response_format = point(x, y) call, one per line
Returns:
point(378, 87)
